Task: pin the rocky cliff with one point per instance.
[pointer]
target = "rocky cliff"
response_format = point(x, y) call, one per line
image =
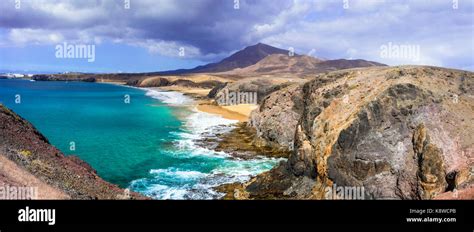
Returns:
point(399, 132)
point(28, 160)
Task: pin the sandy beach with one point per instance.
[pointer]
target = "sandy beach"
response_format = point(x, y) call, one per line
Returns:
point(235, 112)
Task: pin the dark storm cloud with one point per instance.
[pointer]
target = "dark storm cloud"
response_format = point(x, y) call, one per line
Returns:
point(212, 26)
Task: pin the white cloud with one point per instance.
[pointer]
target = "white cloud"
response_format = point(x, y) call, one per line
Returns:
point(210, 28)
point(298, 9)
point(444, 35)
point(171, 49)
point(34, 36)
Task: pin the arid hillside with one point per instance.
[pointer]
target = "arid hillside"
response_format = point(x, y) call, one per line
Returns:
point(297, 66)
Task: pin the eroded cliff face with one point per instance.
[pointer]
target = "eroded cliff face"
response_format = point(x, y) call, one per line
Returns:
point(260, 86)
point(277, 117)
point(28, 160)
point(399, 132)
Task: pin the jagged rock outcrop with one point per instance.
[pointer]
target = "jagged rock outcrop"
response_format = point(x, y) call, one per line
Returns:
point(432, 177)
point(398, 132)
point(261, 86)
point(277, 117)
point(27, 159)
point(214, 91)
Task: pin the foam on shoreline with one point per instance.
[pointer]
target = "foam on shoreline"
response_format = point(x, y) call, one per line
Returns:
point(202, 168)
point(169, 97)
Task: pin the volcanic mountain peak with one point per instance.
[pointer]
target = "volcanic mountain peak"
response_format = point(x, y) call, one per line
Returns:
point(256, 52)
point(240, 59)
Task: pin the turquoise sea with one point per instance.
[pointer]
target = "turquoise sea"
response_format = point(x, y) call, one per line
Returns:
point(147, 144)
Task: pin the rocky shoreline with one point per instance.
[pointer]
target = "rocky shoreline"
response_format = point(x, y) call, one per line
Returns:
point(240, 143)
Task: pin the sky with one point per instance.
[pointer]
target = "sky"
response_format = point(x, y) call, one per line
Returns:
point(158, 35)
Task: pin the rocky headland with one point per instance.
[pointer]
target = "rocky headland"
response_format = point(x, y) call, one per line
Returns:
point(400, 132)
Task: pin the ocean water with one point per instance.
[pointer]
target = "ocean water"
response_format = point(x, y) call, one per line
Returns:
point(148, 145)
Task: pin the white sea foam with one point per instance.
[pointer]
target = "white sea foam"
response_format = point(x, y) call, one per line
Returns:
point(166, 192)
point(169, 97)
point(174, 183)
point(188, 183)
point(200, 122)
point(173, 172)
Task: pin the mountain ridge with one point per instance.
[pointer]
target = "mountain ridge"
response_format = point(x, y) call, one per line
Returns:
point(243, 58)
point(299, 64)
